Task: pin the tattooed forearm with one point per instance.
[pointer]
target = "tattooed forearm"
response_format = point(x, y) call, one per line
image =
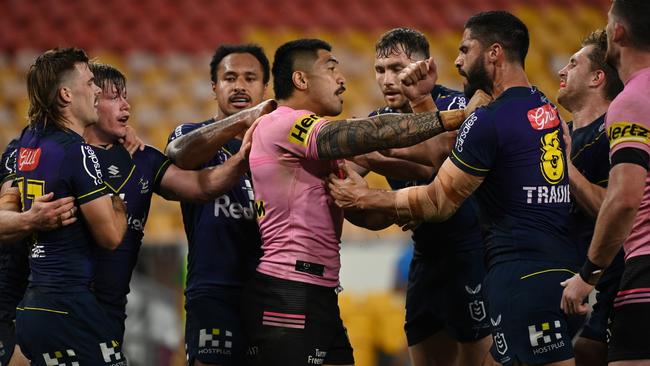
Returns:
point(342, 139)
point(197, 147)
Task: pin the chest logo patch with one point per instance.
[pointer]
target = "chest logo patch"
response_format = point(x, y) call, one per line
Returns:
point(543, 117)
point(552, 159)
point(28, 159)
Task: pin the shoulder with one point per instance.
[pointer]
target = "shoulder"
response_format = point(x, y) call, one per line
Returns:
point(185, 128)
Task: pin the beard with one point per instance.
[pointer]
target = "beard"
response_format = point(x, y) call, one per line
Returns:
point(476, 78)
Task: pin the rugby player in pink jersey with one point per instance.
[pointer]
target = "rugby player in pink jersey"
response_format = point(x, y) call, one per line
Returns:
point(290, 306)
point(624, 217)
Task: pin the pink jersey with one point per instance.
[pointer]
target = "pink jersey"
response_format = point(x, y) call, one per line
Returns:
point(300, 224)
point(628, 125)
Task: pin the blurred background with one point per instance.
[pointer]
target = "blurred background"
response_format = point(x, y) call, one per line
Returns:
point(164, 48)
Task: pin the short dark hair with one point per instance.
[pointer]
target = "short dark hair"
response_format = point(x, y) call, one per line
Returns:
point(44, 80)
point(613, 83)
point(503, 28)
point(285, 59)
point(634, 13)
point(107, 75)
point(226, 49)
point(402, 39)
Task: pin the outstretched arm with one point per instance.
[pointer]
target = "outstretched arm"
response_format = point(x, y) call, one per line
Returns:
point(209, 183)
point(200, 145)
point(392, 167)
point(434, 202)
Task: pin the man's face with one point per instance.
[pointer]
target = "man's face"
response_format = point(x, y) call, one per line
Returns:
point(574, 79)
point(113, 111)
point(326, 84)
point(240, 83)
point(386, 71)
point(613, 55)
point(471, 65)
point(84, 94)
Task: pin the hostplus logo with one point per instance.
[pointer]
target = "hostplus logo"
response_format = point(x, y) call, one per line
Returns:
point(111, 353)
point(213, 341)
point(543, 338)
point(58, 358)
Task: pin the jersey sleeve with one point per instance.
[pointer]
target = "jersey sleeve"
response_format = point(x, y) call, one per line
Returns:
point(627, 129)
point(8, 162)
point(476, 145)
point(160, 163)
point(297, 133)
point(182, 130)
point(83, 172)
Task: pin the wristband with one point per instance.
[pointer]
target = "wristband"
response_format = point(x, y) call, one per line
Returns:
point(590, 272)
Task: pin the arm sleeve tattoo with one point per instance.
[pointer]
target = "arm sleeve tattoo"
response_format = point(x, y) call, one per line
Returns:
point(342, 139)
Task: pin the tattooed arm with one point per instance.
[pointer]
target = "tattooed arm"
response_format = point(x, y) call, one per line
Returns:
point(342, 139)
point(197, 147)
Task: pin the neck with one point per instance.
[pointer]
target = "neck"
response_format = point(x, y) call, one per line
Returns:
point(94, 137)
point(589, 111)
point(508, 75)
point(74, 125)
point(299, 101)
point(631, 61)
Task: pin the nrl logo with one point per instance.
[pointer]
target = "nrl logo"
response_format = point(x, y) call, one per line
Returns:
point(473, 291)
point(496, 322)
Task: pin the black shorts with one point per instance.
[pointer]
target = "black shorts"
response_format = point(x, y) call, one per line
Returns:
point(524, 308)
point(597, 326)
point(630, 326)
point(293, 323)
point(71, 328)
point(214, 332)
point(446, 293)
point(7, 341)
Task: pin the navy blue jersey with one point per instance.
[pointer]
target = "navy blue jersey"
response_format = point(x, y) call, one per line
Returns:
point(223, 237)
point(14, 265)
point(461, 231)
point(445, 98)
point(590, 155)
point(515, 143)
point(52, 160)
point(134, 179)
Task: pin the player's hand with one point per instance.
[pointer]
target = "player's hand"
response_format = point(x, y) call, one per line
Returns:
point(418, 79)
point(479, 99)
point(261, 109)
point(575, 292)
point(48, 215)
point(347, 190)
point(131, 141)
point(566, 135)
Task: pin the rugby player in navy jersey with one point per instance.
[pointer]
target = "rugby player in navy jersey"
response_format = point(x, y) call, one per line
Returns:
point(511, 153)
point(224, 241)
point(135, 177)
point(59, 320)
point(446, 318)
point(587, 86)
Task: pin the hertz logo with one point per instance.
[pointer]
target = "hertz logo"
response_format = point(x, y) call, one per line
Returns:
point(301, 128)
point(260, 211)
point(627, 132)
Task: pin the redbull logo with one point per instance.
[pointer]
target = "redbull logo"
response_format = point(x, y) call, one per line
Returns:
point(28, 159)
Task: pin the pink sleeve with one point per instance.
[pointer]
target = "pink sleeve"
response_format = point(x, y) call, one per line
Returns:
point(628, 125)
point(299, 130)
